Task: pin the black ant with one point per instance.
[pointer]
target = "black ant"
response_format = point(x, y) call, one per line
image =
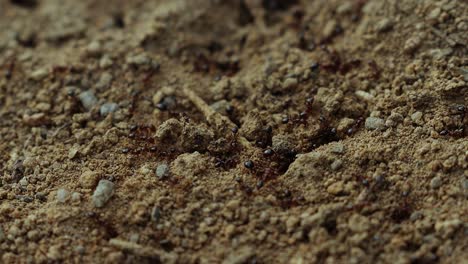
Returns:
point(134, 98)
point(9, 70)
point(457, 133)
point(355, 126)
point(460, 131)
point(149, 74)
point(143, 135)
point(143, 132)
point(286, 199)
point(460, 110)
point(56, 70)
point(243, 186)
point(326, 133)
point(304, 115)
point(226, 154)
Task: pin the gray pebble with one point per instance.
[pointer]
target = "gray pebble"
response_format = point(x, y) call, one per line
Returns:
point(336, 165)
point(80, 249)
point(24, 182)
point(417, 117)
point(103, 193)
point(94, 49)
point(108, 108)
point(25, 198)
point(76, 197)
point(464, 187)
point(465, 184)
point(162, 171)
point(436, 182)
point(156, 214)
point(464, 72)
point(169, 102)
point(220, 106)
point(88, 100)
point(105, 62)
point(62, 195)
point(375, 123)
point(337, 148)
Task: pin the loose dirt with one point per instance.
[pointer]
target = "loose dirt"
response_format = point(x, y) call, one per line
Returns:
point(240, 131)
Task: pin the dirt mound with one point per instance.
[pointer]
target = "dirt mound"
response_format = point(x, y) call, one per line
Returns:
point(240, 131)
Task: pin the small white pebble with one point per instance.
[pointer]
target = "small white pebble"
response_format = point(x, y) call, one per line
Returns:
point(375, 123)
point(364, 95)
point(417, 117)
point(105, 62)
point(337, 148)
point(162, 171)
point(103, 193)
point(88, 100)
point(76, 197)
point(94, 49)
point(62, 195)
point(108, 108)
point(24, 182)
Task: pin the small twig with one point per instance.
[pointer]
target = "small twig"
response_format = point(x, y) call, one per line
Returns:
point(221, 123)
point(441, 35)
point(58, 129)
point(142, 250)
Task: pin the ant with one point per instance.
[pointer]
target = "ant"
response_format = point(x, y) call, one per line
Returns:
point(269, 167)
point(149, 74)
point(458, 133)
point(325, 135)
point(234, 137)
point(9, 71)
point(304, 115)
point(226, 157)
point(133, 102)
point(243, 186)
point(58, 69)
point(355, 126)
point(286, 199)
point(459, 110)
point(143, 134)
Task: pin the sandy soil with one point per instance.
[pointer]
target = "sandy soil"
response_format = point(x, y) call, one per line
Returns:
point(240, 131)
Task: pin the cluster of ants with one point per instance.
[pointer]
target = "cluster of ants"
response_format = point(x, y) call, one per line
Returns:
point(265, 168)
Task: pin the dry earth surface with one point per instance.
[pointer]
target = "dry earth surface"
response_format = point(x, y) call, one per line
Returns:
point(237, 131)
